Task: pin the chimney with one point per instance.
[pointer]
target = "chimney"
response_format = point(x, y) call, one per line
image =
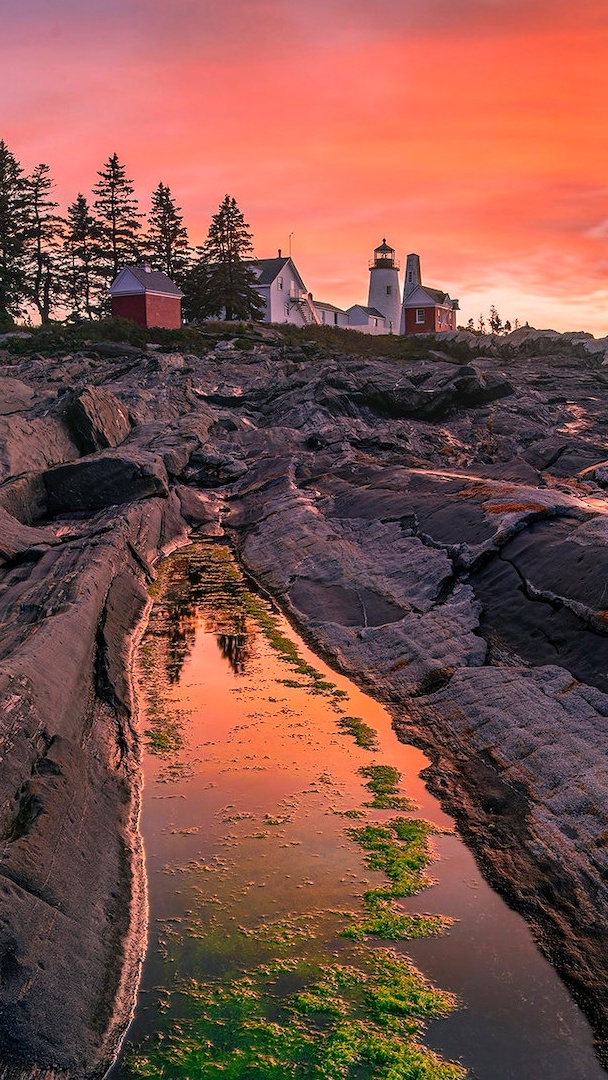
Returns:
point(280, 256)
point(147, 268)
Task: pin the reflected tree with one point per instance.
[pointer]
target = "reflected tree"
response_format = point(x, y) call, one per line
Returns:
point(236, 644)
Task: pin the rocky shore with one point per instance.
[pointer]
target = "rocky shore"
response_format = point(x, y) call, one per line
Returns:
point(435, 521)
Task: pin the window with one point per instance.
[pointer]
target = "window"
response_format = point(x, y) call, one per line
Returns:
point(410, 276)
point(286, 310)
point(280, 283)
point(389, 290)
point(335, 318)
point(420, 313)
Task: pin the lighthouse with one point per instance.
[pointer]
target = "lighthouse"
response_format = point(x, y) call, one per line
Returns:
point(384, 291)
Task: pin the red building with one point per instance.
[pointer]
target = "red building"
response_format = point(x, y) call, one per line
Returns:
point(146, 297)
point(425, 310)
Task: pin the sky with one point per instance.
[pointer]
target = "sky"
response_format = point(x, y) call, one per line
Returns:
point(473, 132)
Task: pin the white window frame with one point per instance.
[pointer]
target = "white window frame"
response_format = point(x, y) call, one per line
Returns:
point(420, 316)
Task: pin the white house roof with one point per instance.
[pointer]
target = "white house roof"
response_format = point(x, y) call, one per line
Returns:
point(135, 280)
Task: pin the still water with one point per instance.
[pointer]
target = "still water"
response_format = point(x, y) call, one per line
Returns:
point(288, 869)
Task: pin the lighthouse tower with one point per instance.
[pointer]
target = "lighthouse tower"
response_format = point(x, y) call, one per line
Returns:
point(384, 291)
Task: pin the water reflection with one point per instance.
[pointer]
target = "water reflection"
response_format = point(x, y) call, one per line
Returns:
point(252, 793)
point(206, 594)
point(181, 632)
point(236, 648)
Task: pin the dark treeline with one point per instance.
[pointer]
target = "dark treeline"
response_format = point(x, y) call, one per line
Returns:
point(61, 265)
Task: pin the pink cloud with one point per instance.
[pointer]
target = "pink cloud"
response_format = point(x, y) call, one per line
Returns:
point(472, 133)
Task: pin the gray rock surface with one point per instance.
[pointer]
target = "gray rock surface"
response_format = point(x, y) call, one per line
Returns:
point(96, 419)
point(435, 523)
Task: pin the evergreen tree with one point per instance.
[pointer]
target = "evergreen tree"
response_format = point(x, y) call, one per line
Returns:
point(84, 279)
point(197, 302)
point(495, 321)
point(481, 324)
point(231, 281)
point(471, 326)
point(13, 233)
point(166, 241)
point(44, 234)
point(116, 209)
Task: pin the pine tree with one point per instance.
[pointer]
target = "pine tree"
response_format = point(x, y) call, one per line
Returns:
point(495, 321)
point(44, 234)
point(116, 209)
point(166, 242)
point(197, 302)
point(231, 283)
point(481, 324)
point(471, 326)
point(84, 278)
point(13, 233)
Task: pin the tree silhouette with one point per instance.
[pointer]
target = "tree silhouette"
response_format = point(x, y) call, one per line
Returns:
point(116, 209)
point(14, 218)
point(495, 321)
point(84, 279)
point(166, 241)
point(44, 235)
point(231, 291)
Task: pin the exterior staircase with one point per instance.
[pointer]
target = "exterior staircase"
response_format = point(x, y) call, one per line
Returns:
point(307, 310)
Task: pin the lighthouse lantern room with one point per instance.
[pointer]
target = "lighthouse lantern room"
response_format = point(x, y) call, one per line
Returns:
point(384, 289)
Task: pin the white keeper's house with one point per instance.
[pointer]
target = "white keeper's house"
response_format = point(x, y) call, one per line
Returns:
point(422, 309)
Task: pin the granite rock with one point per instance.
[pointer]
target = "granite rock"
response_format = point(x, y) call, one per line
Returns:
point(435, 525)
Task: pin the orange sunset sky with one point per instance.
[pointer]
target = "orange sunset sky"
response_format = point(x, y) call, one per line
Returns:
point(471, 132)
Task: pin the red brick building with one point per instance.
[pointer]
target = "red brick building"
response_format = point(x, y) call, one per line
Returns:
point(146, 297)
point(425, 310)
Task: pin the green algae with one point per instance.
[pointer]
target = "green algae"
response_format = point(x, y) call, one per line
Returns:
point(268, 623)
point(363, 734)
point(400, 849)
point(383, 782)
point(340, 1022)
point(205, 576)
point(302, 996)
